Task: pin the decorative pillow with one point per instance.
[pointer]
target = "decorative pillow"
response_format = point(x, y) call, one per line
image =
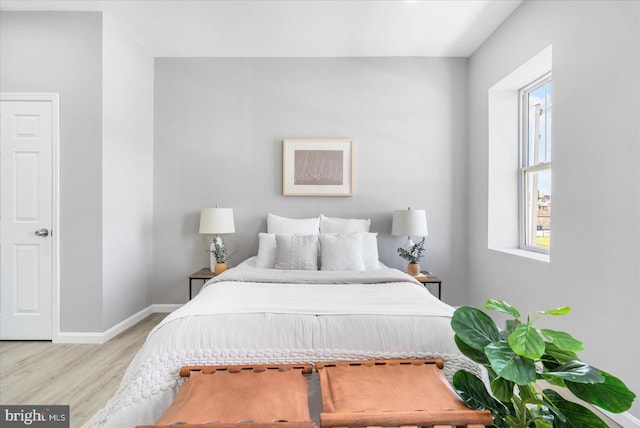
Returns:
point(298, 252)
point(370, 251)
point(266, 251)
point(286, 226)
point(343, 225)
point(340, 251)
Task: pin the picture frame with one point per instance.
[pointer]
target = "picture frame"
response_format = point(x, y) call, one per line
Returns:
point(317, 167)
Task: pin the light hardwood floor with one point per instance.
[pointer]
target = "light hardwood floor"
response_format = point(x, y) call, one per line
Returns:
point(82, 376)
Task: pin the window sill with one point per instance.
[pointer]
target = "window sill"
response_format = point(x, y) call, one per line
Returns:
point(533, 255)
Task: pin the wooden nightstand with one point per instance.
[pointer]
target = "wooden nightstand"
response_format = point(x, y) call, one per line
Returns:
point(204, 274)
point(429, 278)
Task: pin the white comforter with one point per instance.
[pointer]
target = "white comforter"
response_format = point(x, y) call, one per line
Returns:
point(249, 315)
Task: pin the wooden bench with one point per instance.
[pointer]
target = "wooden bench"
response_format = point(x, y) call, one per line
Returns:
point(380, 393)
point(392, 393)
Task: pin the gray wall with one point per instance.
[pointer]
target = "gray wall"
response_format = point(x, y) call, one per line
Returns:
point(62, 53)
point(219, 126)
point(127, 178)
point(596, 176)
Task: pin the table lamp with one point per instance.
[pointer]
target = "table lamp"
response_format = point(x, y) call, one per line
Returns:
point(410, 223)
point(216, 221)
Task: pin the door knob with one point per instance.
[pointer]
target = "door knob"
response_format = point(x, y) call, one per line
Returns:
point(42, 232)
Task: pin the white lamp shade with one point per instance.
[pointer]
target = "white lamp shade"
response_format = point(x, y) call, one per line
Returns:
point(217, 220)
point(409, 223)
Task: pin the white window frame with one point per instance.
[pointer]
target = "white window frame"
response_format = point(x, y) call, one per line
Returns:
point(525, 167)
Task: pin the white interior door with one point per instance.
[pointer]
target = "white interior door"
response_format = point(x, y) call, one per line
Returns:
point(26, 219)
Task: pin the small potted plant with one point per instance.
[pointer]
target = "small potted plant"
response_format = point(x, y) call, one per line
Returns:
point(517, 358)
point(219, 254)
point(413, 254)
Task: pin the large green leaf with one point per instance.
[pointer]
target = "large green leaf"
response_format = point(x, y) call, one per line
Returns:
point(526, 341)
point(474, 327)
point(472, 353)
point(529, 394)
point(554, 356)
point(571, 415)
point(473, 392)
point(612, 394)
point(502, 389)
point(509, 326)
point(576, 371)
point(502, 306)
point(509, 365)
point(564, 341)
point(555, 381)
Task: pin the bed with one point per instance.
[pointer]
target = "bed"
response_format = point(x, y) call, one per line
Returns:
point(257, 313)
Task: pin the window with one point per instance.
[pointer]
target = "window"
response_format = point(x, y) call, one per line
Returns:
point(512, 156)
point(535, 165)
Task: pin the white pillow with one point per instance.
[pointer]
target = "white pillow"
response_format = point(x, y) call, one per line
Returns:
point(341, 251)
point(298, 252)
point(266, 258)
point(370, 251)
point(343, 225)
point(285, 226)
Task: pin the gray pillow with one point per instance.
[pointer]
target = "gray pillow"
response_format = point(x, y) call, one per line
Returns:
point(297, 252)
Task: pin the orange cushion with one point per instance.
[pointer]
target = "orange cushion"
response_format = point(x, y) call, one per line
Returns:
point(247, 395)
point(395, 388)
point(392, 393)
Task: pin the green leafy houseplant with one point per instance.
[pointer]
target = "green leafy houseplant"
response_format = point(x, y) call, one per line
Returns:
point(413, 254)
point(519, 356)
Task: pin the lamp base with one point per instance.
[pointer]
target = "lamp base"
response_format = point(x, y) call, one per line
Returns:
point(212, 257)
point(409, 244)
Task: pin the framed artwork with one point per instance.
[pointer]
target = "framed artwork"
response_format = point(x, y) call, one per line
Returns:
point(317, 167)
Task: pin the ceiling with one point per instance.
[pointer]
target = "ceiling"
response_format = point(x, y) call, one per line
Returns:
point(297, 28)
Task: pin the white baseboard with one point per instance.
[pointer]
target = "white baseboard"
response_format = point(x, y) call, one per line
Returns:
point(100, 338)
point(165, 308)
point(128, 323)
